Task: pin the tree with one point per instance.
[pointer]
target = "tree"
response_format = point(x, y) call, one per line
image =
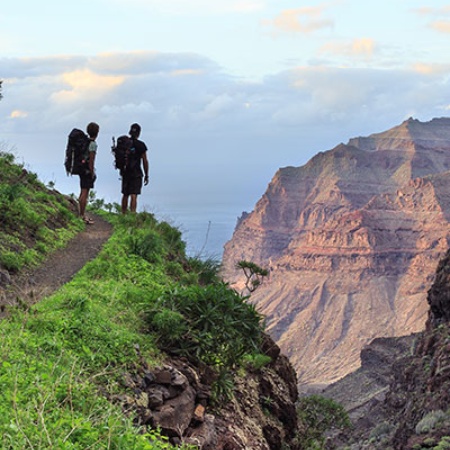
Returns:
point(318, 415)
point(1, 89)
point(254, 274)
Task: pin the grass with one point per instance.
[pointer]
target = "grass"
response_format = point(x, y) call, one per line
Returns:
point(33, 219)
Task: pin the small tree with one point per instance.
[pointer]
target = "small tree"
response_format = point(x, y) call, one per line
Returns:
point(254, 275)
point(318, 415)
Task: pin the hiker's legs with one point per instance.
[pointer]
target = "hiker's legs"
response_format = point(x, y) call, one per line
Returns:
point(124, 204)
point(86, 184)
point(133, 203)
point(84, 194)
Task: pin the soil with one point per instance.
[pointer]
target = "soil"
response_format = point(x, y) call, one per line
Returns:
point(32, 285)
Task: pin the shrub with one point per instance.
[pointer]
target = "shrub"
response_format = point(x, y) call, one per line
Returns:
point(317, 415)
point(256, 361)
point(206, 270)
point(146, 243)
point(221, 326)
point(430, 421)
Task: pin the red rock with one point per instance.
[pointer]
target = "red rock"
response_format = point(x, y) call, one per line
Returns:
point(352, 240)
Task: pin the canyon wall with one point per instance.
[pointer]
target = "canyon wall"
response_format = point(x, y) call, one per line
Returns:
point(351, 240)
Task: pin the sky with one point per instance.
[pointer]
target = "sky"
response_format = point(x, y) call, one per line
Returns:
point(226, 91)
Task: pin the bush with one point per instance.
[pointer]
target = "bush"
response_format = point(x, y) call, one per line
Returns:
point(221, 326)
point(317, 415)
point(430, 421)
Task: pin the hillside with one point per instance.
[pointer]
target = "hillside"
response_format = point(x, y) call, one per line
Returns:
point(142, 348)
point(351, 240)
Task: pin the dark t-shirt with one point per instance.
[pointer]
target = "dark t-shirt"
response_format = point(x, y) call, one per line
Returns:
point(134, 166)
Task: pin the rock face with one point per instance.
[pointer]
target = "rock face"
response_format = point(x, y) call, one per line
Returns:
point(360, 391)
point(413, 410)
point(175, 398)
point(351, 240)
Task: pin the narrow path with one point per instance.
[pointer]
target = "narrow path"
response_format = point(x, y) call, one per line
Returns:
point(59, 268)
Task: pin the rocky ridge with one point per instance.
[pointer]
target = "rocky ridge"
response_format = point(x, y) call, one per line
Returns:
point(352, 240)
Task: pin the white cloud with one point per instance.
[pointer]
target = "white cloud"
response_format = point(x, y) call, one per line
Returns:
point(358, 48)
point(18, 114)
point(185, 93)
point(442, 26)
point(299, 20)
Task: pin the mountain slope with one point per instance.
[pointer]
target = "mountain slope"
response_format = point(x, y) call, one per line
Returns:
point(351, 240)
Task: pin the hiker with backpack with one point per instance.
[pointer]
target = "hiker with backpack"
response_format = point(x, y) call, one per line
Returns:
point(87, 179)
point(80, 160)
point(129, 153)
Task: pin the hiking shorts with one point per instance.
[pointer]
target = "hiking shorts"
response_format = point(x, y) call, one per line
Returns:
point(86, 181)
point(131, 186)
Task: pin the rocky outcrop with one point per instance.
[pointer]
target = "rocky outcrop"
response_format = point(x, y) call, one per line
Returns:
point(360, 391)
point(351, 240)
point(413, 410)
point(176, 398)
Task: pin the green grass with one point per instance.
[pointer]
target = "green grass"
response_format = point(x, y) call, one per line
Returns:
point(33, 219)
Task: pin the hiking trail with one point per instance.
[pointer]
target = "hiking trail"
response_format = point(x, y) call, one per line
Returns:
point(31, 285)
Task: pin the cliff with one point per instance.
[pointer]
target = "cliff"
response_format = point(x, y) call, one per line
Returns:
point(399, 398)
point(351, 241)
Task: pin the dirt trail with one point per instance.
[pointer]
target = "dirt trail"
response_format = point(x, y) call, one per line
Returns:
point(32, 285)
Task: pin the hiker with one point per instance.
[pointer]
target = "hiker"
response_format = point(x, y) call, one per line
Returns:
point(88, 177)
point(132, 175)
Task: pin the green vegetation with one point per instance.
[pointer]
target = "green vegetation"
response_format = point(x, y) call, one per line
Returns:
point(318, 415)
point(254, 274)
point(33, 220)
point(431, 421)
point(433, 444)
point(62, 358)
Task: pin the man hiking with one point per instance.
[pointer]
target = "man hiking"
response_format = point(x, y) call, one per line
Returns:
point(88, 177)
point(132, 175)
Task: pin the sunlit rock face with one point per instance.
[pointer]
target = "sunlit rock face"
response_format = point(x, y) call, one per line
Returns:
point(352, 240)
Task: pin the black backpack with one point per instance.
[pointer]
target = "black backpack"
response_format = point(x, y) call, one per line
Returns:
point(77, 153)
point(121, 152)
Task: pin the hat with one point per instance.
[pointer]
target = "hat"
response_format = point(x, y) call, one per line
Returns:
point(135, 128)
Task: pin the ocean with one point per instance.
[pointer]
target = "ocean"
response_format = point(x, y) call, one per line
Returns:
point(204, 230)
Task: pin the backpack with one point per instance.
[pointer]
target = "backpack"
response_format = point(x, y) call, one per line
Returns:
point(121, 152)
point(77, 153)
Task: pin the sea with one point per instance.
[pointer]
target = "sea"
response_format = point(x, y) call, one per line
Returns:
point(204, 230)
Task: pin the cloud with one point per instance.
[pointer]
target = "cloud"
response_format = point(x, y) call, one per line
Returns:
point(437, 15)
point(299, 20)
point(431, 69)
point(441, 26)
point(195, 113)
point(430, 11)
point(82, 84)
point(362, 47)
point(17, 114)
point(189, 94)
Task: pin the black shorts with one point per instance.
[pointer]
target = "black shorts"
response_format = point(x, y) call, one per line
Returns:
point(131, 186)
point(87, 181)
